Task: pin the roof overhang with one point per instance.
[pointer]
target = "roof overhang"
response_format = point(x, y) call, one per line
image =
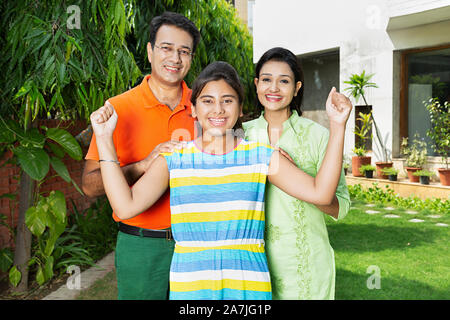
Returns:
point(419, 18)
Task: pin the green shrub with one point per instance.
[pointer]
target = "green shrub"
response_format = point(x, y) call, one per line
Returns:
point(390, 171)
point(386, 196)
point(423, 173)
point(366, 167)
point(95, 228)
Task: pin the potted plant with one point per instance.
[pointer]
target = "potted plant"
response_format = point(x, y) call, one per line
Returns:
point(424, 176)
point(440, 135)
point(367, 170)
point(345, 166)
point(416, 156)
point(362, 131)
point(358, 83)
point(391, 173)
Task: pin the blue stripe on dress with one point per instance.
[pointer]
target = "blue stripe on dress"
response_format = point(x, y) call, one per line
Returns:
point(215, 264)
point(229, 234)
point(224, 294)
point(216, 188)
point(259, 258)
point(216, 226)
point(217, 197)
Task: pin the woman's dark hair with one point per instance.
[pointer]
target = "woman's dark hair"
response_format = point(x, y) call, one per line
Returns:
point(284, 55)
point(177, 20)
point(219, 70)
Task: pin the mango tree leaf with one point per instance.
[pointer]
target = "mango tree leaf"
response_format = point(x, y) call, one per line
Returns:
point(34, 161)
point(35, 220)
point(14, 276)
point(67, 141)
point(60, 168)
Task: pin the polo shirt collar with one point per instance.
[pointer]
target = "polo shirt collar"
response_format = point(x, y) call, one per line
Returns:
point(153, 102)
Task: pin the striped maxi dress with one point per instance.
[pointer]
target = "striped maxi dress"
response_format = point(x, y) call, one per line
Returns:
point(217, 213)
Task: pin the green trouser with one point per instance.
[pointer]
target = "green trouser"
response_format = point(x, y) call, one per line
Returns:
point(142, 267)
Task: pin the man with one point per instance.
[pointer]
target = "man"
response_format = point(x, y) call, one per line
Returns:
point(156, 111)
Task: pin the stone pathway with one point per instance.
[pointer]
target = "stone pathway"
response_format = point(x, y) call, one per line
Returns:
point(442, 224)
point(391, 216)
point(416, 220)
point(398, 215)
point(86, 279)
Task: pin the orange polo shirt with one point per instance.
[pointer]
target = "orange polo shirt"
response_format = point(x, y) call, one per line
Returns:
point(144, 123)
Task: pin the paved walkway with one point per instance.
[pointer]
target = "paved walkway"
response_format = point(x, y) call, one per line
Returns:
point(86, 279)
point(432, 218)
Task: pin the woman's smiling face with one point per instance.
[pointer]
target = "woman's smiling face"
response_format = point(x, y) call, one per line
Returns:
point(276, 85)
point(217, 108)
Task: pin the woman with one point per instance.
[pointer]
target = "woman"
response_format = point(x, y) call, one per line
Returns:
point(217, 186)
point(301, 260)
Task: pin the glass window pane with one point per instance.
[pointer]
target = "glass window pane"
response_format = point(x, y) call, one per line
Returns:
point(428, 77)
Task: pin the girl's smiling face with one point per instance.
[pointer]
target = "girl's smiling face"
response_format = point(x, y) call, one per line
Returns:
point(276, 85)
point(217, 108)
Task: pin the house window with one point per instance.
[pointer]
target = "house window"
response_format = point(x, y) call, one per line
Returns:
point(426, 74)
point(321, 73)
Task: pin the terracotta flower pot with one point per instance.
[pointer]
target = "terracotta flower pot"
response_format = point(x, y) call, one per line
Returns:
point(410, 171)
point(357, 162)
point(444, 176)
point(380, 166)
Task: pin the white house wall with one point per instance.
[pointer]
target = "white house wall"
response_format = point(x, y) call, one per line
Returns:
point(358, 29)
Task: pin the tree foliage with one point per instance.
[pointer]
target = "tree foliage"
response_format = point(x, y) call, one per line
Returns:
point(67, 72)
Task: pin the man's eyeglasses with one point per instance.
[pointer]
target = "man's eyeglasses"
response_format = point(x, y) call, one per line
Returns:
point(182, 52)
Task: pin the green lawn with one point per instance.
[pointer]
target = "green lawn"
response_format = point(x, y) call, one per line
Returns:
point(102, 289)
point(413, 258)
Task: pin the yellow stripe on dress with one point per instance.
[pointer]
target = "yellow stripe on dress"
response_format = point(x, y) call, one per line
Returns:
point(232, 178)
point(216, 216)
point(220, 285)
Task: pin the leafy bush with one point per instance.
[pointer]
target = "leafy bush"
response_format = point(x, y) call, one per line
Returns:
point(423, 173)
point(390, 171)
point(387, 196)
point(415, 152)
point(366, 167)
point(95, 227)
point(440, 128)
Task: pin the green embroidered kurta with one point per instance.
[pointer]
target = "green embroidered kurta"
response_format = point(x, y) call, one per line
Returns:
point(301, 259)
